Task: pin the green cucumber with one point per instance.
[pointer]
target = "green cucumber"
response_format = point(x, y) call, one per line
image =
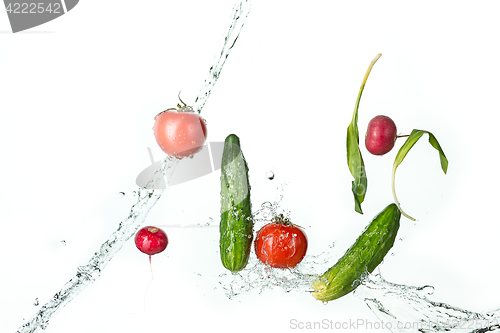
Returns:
point(361, 258)
point(236, 224)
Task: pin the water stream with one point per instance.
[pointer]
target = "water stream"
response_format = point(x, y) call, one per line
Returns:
point(403, 308)
point(146, 197)
point(238, 18)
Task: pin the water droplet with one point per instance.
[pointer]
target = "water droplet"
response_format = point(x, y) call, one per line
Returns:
point(270, 175)
point(267, 204)
point(36, 302)
point(121, 194)
point(429, 290)
point(63, 242)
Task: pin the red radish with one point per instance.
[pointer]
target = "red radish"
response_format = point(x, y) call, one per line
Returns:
point(151, 240)
point(380, 135)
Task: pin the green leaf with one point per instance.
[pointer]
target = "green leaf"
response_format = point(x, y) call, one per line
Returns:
point(409, 143)
point(357, 168)
point(354, 158)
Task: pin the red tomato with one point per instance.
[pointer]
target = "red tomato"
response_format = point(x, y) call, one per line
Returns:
point(151, 240)
point(280, 244)
point(180, 132)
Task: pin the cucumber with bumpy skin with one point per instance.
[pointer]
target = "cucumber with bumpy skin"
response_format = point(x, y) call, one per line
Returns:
point(361, 258)
point(236, 224)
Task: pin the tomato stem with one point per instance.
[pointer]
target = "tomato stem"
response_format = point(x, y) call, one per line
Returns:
point(281, 219)
point(180, 108)
point(179, 96)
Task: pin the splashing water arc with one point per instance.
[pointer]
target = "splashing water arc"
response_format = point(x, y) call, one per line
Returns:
point(146, 198)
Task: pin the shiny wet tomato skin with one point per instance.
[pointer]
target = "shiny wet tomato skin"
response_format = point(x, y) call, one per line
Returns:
point(280, 245)
point(180, 134)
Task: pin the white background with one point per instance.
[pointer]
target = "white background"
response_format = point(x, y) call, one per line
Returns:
point(77, 100)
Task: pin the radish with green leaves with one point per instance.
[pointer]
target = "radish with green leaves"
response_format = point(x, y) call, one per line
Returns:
point(380, 138)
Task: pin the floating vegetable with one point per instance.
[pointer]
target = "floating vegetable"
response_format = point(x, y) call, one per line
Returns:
point(354, 158)
point(281, 244)
point(236, 225)
point(361, 258)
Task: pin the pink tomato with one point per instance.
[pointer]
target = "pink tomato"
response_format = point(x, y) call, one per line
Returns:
point(180, 132)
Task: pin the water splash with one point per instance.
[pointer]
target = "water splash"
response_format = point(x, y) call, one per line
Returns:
point(238, 18)
point(88, 273)
point(257, 277)
point(407, 309)
point(269, 209)
point(400, 308)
